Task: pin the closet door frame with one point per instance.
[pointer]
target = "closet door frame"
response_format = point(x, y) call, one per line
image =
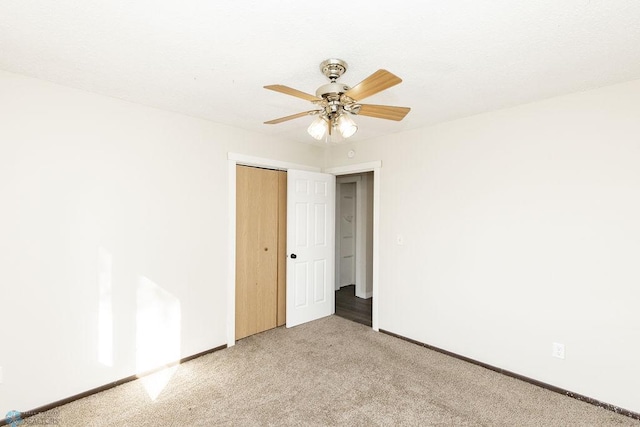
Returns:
point(244, 160)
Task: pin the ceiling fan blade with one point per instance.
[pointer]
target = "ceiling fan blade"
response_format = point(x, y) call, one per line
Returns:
point(293, 92)
point(291, 117)
point(383, 111)
point(376, 82)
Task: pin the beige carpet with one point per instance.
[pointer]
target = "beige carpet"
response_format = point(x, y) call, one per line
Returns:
point(332, 372)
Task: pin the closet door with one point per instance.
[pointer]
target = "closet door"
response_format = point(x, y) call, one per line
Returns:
point(256, 250)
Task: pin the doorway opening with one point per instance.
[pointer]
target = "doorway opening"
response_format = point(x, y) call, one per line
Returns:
point(354, 247)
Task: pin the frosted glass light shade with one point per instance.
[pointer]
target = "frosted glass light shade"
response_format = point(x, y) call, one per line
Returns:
point(346, 125)
point(317, 128)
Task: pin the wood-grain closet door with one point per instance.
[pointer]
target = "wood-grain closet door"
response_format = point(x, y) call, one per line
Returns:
point(257, 248)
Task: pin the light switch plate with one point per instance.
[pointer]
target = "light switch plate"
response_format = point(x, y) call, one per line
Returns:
point(558, 350)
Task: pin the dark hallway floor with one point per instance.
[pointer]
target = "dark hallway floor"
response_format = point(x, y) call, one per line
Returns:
point(349, 306)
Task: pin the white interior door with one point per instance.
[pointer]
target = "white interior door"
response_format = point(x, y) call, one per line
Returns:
point(310, 246)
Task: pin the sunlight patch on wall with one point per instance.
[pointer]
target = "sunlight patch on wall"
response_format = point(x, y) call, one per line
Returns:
point(105, 308)
point(158, 322)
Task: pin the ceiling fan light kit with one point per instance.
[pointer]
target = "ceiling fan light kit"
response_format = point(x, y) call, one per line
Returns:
point(337, 102)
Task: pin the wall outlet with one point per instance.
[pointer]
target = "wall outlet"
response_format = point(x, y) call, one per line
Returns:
point(558, 350)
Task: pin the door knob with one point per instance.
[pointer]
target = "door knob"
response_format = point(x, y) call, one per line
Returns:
point(294, 256)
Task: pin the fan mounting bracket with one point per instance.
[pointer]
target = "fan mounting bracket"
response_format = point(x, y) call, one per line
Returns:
point(333, 68)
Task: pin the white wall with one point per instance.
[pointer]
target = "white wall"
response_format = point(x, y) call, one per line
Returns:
point(346, 232)
point(521, 228)
point(98, 191)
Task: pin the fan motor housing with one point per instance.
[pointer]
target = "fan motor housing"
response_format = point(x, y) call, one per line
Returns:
point(331, 89)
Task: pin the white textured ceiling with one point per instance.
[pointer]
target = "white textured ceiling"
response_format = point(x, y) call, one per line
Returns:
point(210, 59)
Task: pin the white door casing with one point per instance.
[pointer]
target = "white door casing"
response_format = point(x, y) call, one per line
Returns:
point(310, 246)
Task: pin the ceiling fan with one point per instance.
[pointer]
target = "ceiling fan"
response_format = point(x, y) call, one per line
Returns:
point(336, 102)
